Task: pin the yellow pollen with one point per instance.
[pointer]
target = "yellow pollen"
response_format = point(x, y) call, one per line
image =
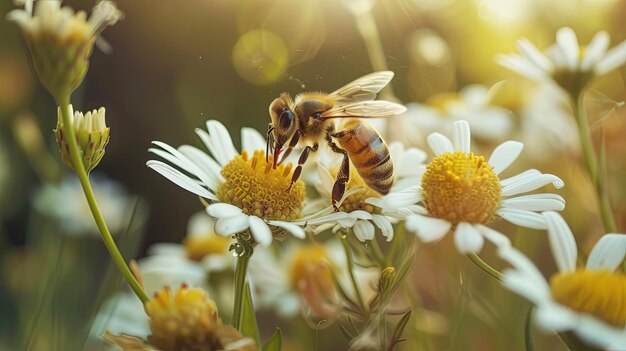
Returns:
point(598, 293)
point(460, 187)
point(183, 320)
point(443, 101)
point(200, 246)
point(357, 201)
point(258, 189)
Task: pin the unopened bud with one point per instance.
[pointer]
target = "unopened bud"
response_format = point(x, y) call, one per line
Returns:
point(387, 277)
point(92, 136)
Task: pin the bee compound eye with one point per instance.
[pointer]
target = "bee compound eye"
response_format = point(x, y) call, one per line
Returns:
point(286, 117)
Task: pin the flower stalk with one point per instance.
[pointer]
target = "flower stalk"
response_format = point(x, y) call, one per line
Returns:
point(485, 267)
point(83, 177)
point(592, 166)
point(243, 251)
point(355, 285)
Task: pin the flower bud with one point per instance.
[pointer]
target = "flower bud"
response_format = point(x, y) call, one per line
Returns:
point(60, 41)
point(92, 136)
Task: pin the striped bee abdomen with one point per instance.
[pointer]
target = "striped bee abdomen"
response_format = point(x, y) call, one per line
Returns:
point(369, 154)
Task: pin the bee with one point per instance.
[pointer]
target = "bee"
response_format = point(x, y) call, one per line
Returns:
point(335, 118)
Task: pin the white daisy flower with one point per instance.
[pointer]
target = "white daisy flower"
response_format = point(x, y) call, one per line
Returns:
point(74, 216)
point(589, 300)
point(461, 191)
point(364, 208)
point(565, 62)
point(473, 104)
point(244, 191)
point(299, 279)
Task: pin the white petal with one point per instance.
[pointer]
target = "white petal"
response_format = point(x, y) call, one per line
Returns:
point(467, 238)
point(595, 50)
point(232, 225)
point(608, 252)
point(180, 179)
point(536, 202)
point(523, 218)
point(221, 141)
point(360, 214)
point(529, 271)
point(553, 317)
point(613, 59)
point(599, 334)
point(497, 238)
point(260, 231)
point(519, 177)
point(504, 155)
point(562, 242)
point(567, 41)
point(532, 183)
point(408, 165)
point(292, 228)
point(222, 210)
point(426, 228)
point(521, 66)
point(461, 136)
point(519, 283)
point(252, 140)
point(208, 165)
point(439, 144)
point(533, 55)
point(385, 226)
point(364, 230)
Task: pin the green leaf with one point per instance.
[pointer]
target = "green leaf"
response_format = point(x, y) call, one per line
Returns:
point(249, 325)
point(397, 333)
point(275, 342)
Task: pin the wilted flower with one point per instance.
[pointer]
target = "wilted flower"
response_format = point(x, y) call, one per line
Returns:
point(61, 41)
point(92, 137)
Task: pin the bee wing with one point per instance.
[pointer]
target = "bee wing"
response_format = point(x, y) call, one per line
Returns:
point(362, 89)
point(364, 109)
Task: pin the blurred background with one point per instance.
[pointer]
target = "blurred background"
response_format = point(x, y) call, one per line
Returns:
point(176, 64)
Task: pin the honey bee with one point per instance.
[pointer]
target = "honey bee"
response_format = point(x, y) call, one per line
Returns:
point(311, 118)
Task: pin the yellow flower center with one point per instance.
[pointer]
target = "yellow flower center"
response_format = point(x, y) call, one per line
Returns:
point(443, 100)
point(258, 189)
point(599, 293)
point(460, 187)
point(357, 201)
point(200, 246)
point(184, 320)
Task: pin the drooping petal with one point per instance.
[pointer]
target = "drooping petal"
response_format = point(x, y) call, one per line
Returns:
point(536, 202)
point(292, 228)
point(519, 177)
point(497, 238)
point(467, 238)
point(562, 242)
point(260, 231)
point(385, 226)
point(553, 317)
point(227, 226)
point(504, 155)
point(426, 228)
point(612, 60)
point(461, 136)
point(439, 143)
point(523, 218)
point(522, 67)
point(364, 230)
point(532, 277)
point(222, 210)
point(608, 252)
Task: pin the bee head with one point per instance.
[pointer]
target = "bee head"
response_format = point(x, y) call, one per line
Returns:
point(283, 123)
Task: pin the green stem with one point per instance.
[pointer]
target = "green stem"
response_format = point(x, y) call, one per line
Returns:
point(357, 291)
point(240, 282)
point(378, 253)
point(591, 163)
point(394, 245)
point(83, 177)
point(485, 267)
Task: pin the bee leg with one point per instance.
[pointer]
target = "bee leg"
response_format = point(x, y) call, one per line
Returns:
point(303, 157)
point(339, 188)
point(292, 143)
point(270, 141)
